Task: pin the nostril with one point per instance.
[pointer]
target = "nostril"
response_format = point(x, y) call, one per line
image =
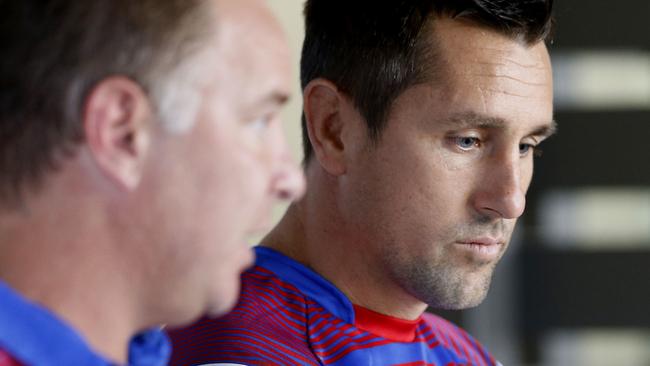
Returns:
point(284, 195)
point(289, 185)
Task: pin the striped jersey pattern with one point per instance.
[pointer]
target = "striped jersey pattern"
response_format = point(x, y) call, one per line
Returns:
point(290, 315)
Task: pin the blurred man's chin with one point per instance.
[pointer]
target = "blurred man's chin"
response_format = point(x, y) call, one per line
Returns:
point(224, 298)
point(223, 306)
point(220, 301)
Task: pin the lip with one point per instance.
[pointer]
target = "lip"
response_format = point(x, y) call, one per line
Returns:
point(485, 240)
point(483, 248)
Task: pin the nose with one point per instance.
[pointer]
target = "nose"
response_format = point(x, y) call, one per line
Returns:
point(288, 182)
point(502, 192)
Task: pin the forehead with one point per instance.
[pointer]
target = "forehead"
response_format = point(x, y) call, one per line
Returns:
point(483, 72)
point(251, 49)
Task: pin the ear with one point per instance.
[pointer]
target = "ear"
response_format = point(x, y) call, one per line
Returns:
point(323, 107)
point(116, 123)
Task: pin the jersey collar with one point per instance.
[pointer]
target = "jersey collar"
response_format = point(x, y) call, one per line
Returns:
point(307, 281)
point(332, 299)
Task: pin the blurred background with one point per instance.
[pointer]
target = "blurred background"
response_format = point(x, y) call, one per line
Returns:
point(574, 288)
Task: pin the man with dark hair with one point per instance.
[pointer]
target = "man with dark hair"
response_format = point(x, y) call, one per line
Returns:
point(140, 144)
point(421, 119)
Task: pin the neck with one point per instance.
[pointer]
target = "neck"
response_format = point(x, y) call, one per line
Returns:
point(61, 259)
point(314, 233)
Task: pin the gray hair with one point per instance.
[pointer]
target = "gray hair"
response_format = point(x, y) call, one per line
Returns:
point(56, 51)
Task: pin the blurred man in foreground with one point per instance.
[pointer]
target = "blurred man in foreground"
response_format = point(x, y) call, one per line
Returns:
point(140, 145)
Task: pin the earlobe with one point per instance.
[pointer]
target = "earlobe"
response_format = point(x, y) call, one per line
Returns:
point(325, 125)
point(116, 125)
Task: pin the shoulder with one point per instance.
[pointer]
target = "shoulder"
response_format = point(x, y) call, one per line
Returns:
point(458, 341)
point(267, 327)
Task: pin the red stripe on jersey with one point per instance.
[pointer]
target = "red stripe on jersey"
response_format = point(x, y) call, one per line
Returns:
point(399, 330)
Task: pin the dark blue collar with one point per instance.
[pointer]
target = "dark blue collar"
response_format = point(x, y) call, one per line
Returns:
point(307, 281)
point(35, 336)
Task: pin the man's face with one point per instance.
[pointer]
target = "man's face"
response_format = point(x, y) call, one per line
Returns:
point(220, 179)
point(436, 200)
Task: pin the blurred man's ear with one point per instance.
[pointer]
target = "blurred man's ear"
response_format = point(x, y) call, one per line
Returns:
point(117, 125)
point(323, 105)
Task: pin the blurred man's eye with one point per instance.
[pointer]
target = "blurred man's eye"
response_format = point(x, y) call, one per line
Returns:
point(260, 124)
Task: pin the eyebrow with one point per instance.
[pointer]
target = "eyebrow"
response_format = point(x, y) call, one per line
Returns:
point(476, 120)
point(275, 98)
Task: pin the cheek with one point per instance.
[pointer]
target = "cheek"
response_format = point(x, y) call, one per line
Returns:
point(243, 158)
point(409, 193)
point(455, 162)
point(226, 182)
point(243, 182)
point(431, 180)
point(526, 174)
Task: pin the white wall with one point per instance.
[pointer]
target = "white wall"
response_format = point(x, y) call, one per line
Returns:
point(289, 12)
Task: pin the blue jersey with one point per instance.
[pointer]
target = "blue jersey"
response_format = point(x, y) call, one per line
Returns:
point(290, 315)
point(31, 335)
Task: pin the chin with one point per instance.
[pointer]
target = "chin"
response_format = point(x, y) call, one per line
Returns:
point(184, 318)
point(455, 295)
point(457, 304)
point(472, 302)
point(221, 309)
point(224, 302)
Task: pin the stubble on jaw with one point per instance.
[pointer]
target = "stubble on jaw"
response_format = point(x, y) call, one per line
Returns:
point(444, 286)
point(439, 276)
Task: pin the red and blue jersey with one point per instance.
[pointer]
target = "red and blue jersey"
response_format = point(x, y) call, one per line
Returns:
point(290, 315)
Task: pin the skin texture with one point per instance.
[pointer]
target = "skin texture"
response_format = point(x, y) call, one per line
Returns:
point(423, 216)
point(143, 226)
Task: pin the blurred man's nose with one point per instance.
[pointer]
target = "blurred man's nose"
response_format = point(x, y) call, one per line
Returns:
point(289, 180)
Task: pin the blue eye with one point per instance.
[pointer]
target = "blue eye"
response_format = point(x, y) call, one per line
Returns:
point(524, 149)
point(467, 143)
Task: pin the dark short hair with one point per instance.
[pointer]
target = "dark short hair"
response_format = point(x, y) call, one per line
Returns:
point(375, 50)
point(55, 51)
